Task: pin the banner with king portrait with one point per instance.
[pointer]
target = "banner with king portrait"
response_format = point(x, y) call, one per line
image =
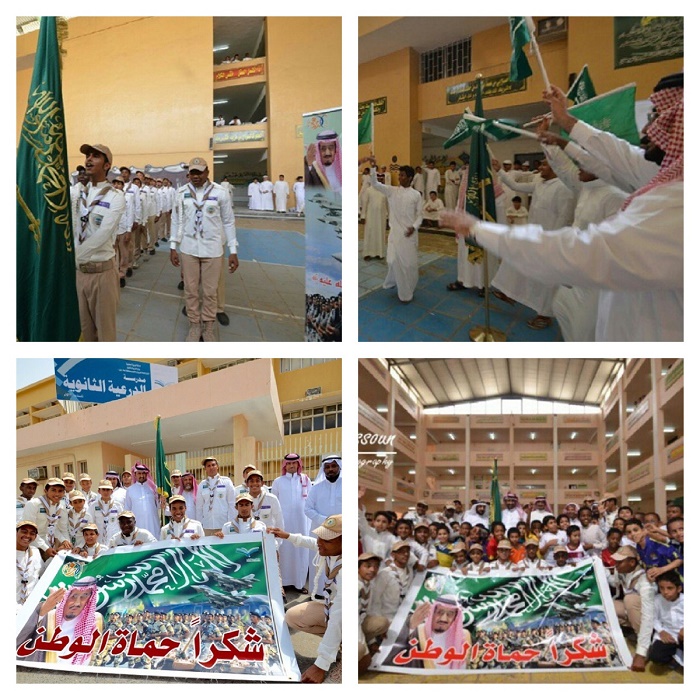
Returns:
point(206, 608)
point(561, 620)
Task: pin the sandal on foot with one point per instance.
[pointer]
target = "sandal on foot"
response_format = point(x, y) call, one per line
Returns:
point(454, 286)
point(500, 295)
point(539, 323)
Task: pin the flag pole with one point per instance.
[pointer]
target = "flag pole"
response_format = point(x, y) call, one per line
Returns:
point(536, 49)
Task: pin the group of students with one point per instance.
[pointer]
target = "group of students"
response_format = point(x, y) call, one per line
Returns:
point(261, 194)
point(303, 514)
point(642, 556)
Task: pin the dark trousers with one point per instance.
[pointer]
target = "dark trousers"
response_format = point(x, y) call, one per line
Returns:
point(662, 653)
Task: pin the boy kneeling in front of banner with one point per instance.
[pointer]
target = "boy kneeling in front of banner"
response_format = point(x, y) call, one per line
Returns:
point(323, 619)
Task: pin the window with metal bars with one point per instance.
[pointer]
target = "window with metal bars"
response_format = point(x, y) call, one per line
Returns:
point(446, 61)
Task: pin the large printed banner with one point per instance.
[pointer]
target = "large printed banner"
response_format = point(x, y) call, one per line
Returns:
point(451, 624)
point(207, 608)
point(323, 209)
point(99, 380)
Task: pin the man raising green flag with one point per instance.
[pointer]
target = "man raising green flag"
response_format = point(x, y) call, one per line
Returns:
point(47, 303)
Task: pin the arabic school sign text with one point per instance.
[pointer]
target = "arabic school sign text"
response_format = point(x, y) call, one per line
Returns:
point(96, 380)
point(550, 622)
point(210, 608)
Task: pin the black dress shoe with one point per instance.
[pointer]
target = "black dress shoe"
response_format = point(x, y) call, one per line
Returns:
point(184, 311)
point(181, 285)
point(152, 252)
point(122, 282)
point(222, 318)
point(157, 244)
point(129, 272)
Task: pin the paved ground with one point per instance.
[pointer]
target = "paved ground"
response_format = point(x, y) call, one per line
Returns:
point(305, 647)
point(265, 297)
point(435, 314)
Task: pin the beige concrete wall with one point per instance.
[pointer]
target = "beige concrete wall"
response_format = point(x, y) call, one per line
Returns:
point(141, 85)
point(304, 60)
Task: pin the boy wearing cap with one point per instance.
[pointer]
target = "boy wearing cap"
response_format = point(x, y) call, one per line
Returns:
point(423, 549)
point(49, 514)
point(27, 489)
point(86, 487)
point(216, 498)
point(244, 521)
point(393, 581)
point(323, 619)
point(636, 609)
point(97, 278)
point(180, 527)
point(105, 512)
point(128, 533)
point(202, 224)
point(77, 517)
point(476, 566)
point(372, 627)
point(266, 507)
point(561, 559)
point(28, 560)
point(533, 563)
point(503, 564)
point(91, 548)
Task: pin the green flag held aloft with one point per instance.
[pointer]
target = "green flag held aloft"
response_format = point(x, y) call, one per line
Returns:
point(495, 494)
point(519, 37)
point(582, 88)
point(365, 128)
point(612, 111)
point(162, 472)
point(47, 303)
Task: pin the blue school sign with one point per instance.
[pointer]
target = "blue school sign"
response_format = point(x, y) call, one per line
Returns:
point(95, 380)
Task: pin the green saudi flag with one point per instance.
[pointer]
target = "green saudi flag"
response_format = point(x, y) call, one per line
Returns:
point(613, 112)
point(365, 129)
point(162, 471)
point(495, 494)
point(47, 303)
point(582, 88)
point(519, 37)
point(481, 198)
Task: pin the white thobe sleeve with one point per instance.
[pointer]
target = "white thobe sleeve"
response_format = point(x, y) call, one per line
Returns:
point(624, 159)
point(509, 181)
point(386, 190)
point(229, 221)
point(563, 167)
point(640, 248)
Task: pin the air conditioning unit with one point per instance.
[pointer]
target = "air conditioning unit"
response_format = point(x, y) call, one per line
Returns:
point(38, 473)
point(316, 391)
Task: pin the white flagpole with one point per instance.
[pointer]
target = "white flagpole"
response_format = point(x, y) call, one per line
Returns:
point(535, 47)
point(505, 127)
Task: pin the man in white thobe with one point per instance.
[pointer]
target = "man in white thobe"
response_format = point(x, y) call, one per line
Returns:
point(432, 179)
point(452, 176)
point(552, 208)
point(266, 194)
point(281, 191)
point(635, 257)
point(405, 216)
point(292, 489)
point(576, 308)
point(418, 182)
point(375, 211)
point(325, 496)
point(142, 500)
point(254, 196)
point(432, 209)
point(299, 195)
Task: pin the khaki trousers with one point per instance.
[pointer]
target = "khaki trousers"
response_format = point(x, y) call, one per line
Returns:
point(372, 627)
point(98, 297)
point(139, 242)
point(204, 272)
point(308, 617)
point(151, 232)
point(221, 289)
point(124, 252)
point(629, 611)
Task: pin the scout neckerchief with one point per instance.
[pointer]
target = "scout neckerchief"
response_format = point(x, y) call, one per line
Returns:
point(235, 527)
point(23, 569)
point(95, 550)
point(212, 491)
point(51, 518)
point(105, 516)
point(364, 597)
point(74, 525)
point(130, 539)
point(331, 575)
point(86, 210)
point(258, 508)
point(171, 529)
point(198, 215)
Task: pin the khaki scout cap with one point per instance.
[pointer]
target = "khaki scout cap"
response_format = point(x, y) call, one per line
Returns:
point(399, 544)
point(104, 484)
point(87, 147)
point(76, 495)
point(255, 472)
point(28, 523)
point(126, 514)
point(69, 475)
point(331, 528)
point(366, 556)
point(90, 526)
point(625, 553)
point(198, 164)
point(245, 496)
point(28, 480)
point(55, 481)
point(178, 498)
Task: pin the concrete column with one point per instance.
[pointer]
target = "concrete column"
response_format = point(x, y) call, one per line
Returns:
point(659, 453)
point(244, 447)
